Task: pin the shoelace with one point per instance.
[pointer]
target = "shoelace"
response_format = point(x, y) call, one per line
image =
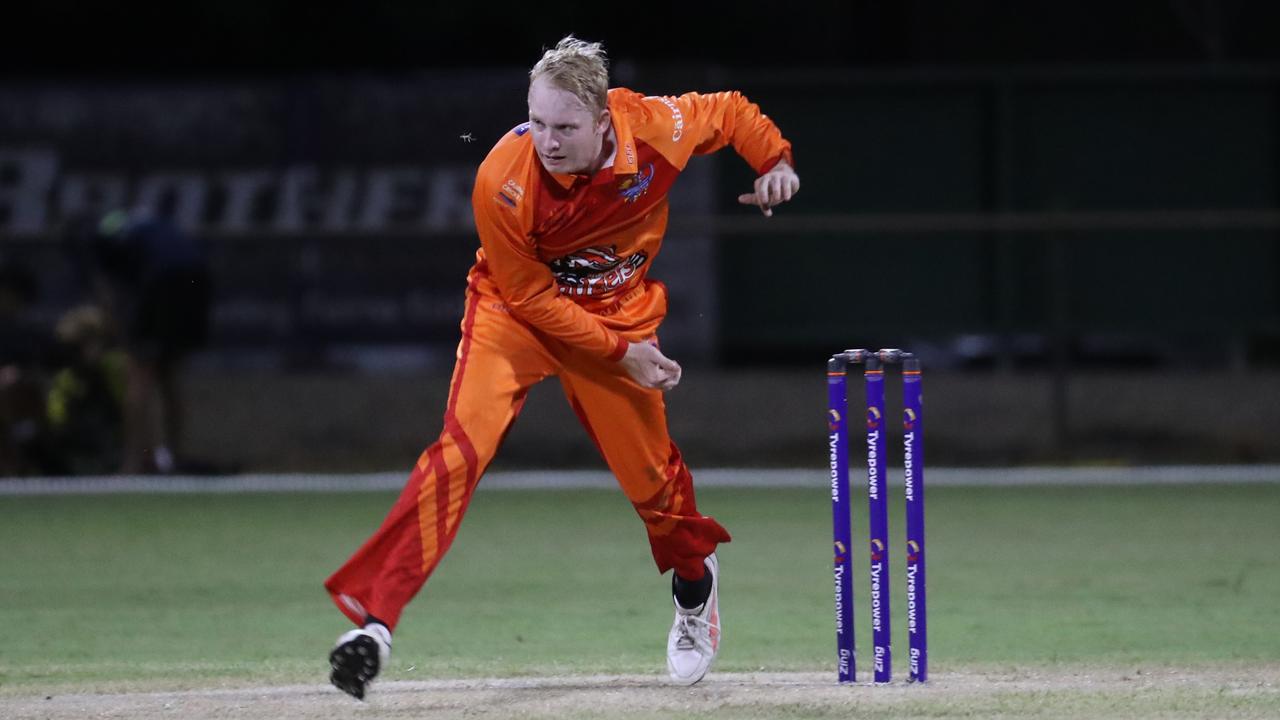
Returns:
point(691, 636)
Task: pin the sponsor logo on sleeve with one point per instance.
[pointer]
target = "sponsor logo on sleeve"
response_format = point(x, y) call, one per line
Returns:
point(677, 119)
point(511, 193)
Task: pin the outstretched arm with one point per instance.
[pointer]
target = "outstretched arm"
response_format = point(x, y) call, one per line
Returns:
point(709, 122)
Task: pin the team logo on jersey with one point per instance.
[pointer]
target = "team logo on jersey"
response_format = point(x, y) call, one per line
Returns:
point(636, 185)
point(595, 270)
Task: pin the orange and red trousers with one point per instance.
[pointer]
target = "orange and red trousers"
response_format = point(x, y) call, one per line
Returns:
point(498, 360)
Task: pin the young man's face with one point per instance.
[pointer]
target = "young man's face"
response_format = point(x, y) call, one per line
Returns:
point(566, 134)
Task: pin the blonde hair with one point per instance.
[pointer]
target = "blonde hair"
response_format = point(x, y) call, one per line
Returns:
point(578, 67)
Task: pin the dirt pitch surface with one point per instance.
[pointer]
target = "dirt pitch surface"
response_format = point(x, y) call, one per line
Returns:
point(1248, 692)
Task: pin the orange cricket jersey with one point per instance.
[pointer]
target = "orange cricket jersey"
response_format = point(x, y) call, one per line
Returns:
point(568, 254)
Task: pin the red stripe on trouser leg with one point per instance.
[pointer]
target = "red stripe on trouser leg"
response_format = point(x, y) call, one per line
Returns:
point(441, 529)
point(447, 501)
point(452, 492)
point(679, 536)
point(454, 428)
point(384, 574)
point(391, 567)
point(490, 381)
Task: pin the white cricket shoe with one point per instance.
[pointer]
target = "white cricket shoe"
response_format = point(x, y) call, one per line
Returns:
point(357, 658)
point(694, 639)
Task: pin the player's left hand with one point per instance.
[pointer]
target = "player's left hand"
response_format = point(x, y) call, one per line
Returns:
point(646, 364)
point(773, 188)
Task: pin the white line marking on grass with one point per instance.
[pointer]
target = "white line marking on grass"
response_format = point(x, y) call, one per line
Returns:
point(816, 478)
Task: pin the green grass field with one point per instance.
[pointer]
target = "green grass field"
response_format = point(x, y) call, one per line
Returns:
point(114, 593)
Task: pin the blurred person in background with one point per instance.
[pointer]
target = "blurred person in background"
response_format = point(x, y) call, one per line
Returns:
point(85, 402)
point(152, 280)
point(571, 208)
point(24, 348)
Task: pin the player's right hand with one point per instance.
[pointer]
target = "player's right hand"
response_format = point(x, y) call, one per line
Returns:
point(646, 364)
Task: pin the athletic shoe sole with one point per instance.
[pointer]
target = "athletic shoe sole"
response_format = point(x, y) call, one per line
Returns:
point(355, 663)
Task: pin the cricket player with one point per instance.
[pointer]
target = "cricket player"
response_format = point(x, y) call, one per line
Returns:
point(570, 207)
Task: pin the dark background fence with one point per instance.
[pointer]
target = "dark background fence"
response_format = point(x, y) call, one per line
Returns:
point(1102, 203)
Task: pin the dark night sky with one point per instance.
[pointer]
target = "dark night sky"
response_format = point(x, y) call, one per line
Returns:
point(61, 37)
